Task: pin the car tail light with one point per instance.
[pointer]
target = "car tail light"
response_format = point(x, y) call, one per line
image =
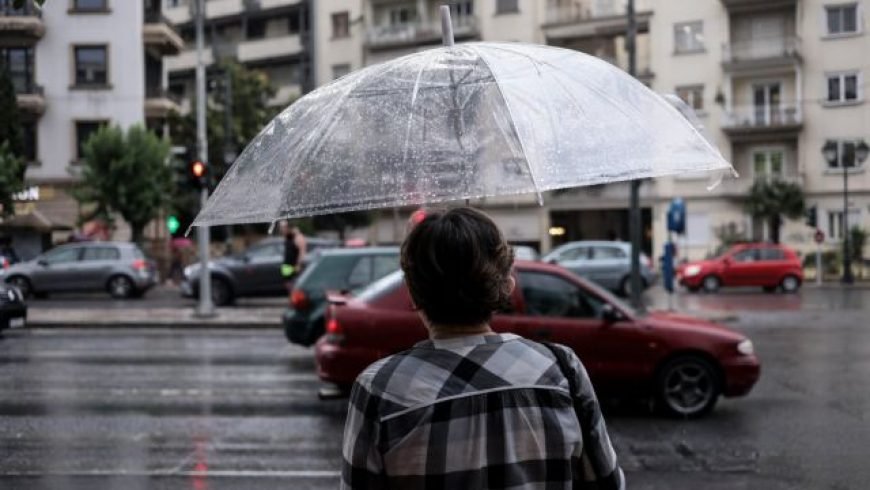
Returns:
point(644, 260)
point(334, 330)
point(5, 263)
point(140, 265)
point(333, 327)
point(299, 299)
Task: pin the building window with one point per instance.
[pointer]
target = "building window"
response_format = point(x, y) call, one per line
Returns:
point(402, 15)
point(507, 6)
point(84, 130)
point(845, 154)
point(339, 71)
point(462, 9)
point(89, 6)
point(28, 132)
point(835, 222)
point(843, 87)
point(256, 28)
point(92, 66)
point(768, 164)
point(689, 37)
point(842, 19)
point(692, 95)
point(19, 63)
point(341, 25)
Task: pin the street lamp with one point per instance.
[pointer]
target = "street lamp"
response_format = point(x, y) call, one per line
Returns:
point(831, 153)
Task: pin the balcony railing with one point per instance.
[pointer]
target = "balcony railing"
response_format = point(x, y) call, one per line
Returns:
point(763, 117)
point(416, 32)
point(582, 11)
point(762, 49)
point(7, 9)
point(161, 93)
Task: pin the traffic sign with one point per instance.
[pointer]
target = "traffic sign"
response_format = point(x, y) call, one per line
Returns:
point(819, 236)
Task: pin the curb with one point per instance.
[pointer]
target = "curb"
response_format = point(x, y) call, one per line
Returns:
point(142, 324)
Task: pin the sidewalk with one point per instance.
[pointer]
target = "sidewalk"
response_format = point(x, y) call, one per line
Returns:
point(261, 317)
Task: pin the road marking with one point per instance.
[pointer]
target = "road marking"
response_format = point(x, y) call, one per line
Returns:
point(165, 473)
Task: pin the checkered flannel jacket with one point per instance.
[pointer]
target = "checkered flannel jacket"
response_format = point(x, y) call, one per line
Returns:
point(489, 411)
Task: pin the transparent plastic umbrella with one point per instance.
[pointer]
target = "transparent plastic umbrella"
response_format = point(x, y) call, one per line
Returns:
point(458, 122)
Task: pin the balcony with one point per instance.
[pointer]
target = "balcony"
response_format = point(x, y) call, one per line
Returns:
point(159, 103)
point(419, 33)
point(157, 33)
point(31, 99)
point(756, 123)
point(570, 20)
point(20, 24)
point(220, 9)
point(761, 53)
point(740, 6)
point(186, 60)
point(270, 48)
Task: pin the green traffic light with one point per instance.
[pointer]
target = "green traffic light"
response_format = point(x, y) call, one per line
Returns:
point(172, 224)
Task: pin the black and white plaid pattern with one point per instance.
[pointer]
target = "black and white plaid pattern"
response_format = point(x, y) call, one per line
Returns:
point(488, 411)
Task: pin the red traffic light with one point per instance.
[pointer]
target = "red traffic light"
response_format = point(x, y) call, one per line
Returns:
point(198, 169)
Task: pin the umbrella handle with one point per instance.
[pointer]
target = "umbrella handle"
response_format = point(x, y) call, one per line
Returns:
point(446, 26)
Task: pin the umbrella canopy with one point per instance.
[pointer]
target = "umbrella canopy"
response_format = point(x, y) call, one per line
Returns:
point(458, 122)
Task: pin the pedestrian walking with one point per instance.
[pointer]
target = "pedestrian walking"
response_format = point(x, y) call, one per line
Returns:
point(294, 251)
point(470, 408)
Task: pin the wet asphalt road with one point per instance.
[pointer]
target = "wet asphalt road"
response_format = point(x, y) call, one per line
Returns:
point(215, 409)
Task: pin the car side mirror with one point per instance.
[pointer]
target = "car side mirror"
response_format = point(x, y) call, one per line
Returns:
point(42, 262)
point(610, 315)
point(246, 258)
point(553, 262)
point(726, 261)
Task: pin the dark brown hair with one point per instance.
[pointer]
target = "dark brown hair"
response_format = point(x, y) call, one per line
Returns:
point(457, 267)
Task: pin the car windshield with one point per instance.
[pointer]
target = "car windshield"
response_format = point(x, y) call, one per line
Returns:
point(610, 298)
point(381, 286)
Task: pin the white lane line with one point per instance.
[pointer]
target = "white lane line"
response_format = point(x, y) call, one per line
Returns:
point(165, 473)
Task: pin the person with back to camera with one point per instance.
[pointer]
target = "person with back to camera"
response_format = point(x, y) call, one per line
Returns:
point(470, 408)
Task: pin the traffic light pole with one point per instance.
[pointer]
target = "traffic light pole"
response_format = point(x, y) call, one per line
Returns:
point(205, 307)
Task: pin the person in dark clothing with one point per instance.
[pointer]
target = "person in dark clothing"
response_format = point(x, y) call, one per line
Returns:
point(294, 252)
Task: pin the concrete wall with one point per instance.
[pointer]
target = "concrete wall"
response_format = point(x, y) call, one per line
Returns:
point(329, 52)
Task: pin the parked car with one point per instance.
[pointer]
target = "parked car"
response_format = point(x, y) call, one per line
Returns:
point(767, 265)
point(13, 309)
point(254, 272)
point(683, 362)
point(335, 270)
point(120, 268)
point(602, 262)
point(525, 252)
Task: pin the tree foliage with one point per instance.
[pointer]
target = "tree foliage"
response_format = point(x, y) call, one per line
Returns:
point(12, 164)
point(125, 173)
point(771, 200)
point(11, 178)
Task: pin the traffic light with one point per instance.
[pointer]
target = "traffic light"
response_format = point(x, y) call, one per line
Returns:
point(199, 174)
point(172, 224)
point(811, 215)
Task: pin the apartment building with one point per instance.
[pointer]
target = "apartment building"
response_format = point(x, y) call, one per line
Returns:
point(77, 65)
point(773, 81)
point(273, 36)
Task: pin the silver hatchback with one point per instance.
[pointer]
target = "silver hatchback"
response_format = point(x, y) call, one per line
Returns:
point(119, 268)
point(604, 262)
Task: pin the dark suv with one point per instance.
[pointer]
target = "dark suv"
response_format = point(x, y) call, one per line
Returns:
point(120, 268)
point(334, 270)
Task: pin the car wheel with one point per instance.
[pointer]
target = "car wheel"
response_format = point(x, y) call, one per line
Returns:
point(221, 294)
point(790, 284)
point(23, 285)
point(711, 284)
point(625, 286)
point(769, 289)
point(687, 387)
point(121, 287)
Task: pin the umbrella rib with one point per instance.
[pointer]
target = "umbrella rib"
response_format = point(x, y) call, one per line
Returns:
point(411, 112)
point(514, 126)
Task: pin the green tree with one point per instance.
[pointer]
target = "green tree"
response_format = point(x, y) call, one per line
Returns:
point(11, 178)
point(771, 200)
point(10, 122)
point(857, 242)
point(20, 3)
point(125, 173)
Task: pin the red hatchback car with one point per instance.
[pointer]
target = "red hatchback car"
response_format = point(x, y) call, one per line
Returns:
point(767, 265)
point(685, 363)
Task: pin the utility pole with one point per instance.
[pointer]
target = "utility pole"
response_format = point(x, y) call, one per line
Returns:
point(206, 307)
point(229, 142)
point(848, 278)
point(634, 221)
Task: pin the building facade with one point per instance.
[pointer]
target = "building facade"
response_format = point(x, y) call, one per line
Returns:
point(773, 81)
point(77, 65)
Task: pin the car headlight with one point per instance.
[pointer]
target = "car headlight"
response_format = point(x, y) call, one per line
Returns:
point(693, 270)
point(745, 347)
point(189, 270)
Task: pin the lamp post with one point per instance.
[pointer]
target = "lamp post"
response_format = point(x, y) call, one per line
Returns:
point(831, 153)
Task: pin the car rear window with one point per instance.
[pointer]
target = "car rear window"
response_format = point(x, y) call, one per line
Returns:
point(328, 272)
point(382, 286)
point(603, 253)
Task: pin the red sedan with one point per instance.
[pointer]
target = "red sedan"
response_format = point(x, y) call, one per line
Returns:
point(766, 265)
point(685, 363)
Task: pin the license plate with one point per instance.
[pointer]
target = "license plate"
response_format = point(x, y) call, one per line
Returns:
point(16, 322)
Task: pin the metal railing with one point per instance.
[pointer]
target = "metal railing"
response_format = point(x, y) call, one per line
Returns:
point(763, 116)
point(7, 9)
point(161, 93)
point(465, 25)
point(762, 48)
point(580, 10)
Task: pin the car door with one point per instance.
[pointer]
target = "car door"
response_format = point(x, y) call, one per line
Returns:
point(263, 266)
point(96, 265)
point(607, 266)
point(772, 266)
point(56, 270)
point(575, 259)
point(741, 268)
